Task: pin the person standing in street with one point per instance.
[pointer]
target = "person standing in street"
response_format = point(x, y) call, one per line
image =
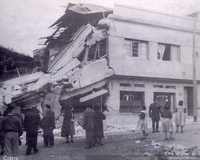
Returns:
point(88, 125)
point(142, 123)
point(12, 128)
point(48, 125)
point(180, 119)
point(154, 114)
point(68, 124)
point(31, 124)
point(166, 115)
point(98, 125)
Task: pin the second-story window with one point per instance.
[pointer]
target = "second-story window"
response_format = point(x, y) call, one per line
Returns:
point(168, 52)
point(136, 48)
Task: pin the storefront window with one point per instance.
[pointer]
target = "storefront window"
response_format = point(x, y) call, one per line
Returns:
point(131, 102)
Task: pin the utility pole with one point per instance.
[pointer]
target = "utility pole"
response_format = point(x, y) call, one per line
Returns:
point(195, 100)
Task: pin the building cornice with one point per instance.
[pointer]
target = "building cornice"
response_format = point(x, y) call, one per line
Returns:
point(159, 25)
point(154, 79)
point(151, 11)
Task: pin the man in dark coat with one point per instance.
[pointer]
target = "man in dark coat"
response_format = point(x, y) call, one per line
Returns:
point(48, 125)
point(88, 125)
point(154, 114)
point(31, 124)
point(98, 124)
point(12, 128)
point(68, 123)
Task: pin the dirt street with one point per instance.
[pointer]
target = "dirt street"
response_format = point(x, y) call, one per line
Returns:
point(120, 146)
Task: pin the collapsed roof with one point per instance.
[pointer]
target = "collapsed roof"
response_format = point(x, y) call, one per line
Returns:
point(77, 50)
point(76, 15)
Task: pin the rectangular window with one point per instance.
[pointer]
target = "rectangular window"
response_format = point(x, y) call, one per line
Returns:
point(170, 87)
point(131, 102)
point(158, 86)
point(102, 48)
point(135, 48)
point(168, 52)
point(125, 84)
point(92, 53)
point(139, 85)
point(97, 51)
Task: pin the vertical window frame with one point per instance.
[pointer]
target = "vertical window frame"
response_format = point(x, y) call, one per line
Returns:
point(137, 48)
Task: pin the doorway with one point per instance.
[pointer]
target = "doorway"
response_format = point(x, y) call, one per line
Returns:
point(164, 98)
point(188, 98)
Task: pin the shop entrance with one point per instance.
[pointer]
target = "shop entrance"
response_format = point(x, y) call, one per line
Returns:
point(188, 99)
point(164, 98)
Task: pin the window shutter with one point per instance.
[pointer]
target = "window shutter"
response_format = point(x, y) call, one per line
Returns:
point(143, 50)
point(135, 48)
point(175, 53)
point(128, 47)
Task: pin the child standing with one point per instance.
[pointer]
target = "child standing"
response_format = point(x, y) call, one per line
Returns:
point(142, 123)
point(166, 115)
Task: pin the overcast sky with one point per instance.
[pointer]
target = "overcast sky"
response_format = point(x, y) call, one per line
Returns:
point(23, 22)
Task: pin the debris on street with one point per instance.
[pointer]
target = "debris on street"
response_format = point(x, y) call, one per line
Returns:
point(156, 144)
point(179, 150)
point(138, 142)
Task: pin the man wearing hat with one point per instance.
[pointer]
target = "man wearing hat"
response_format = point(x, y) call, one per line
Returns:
point(48, 124)
point(11, 127)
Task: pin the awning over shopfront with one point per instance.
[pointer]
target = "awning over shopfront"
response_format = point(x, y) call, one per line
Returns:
point(93, 95)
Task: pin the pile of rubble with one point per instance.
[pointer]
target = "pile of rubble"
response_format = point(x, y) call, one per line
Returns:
point(118, 128)
point(176, 149)
point(108, 128)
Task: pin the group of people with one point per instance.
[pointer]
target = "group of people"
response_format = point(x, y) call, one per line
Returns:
point(11, 128)
point(156, 113)
point(92, 123)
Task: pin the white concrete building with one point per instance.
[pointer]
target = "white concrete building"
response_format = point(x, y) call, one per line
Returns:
point(151, 55)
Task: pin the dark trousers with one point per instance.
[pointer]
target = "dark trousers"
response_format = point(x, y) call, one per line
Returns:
point(31, 141)
point(89, 137)
point(48, 138)
point(155, 124)
point(2, 141)
point(29, 149)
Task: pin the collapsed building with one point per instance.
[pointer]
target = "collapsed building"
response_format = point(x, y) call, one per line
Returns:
point(74, 52)
point(121, 58)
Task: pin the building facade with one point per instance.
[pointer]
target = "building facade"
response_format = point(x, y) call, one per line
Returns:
point(151, 55)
